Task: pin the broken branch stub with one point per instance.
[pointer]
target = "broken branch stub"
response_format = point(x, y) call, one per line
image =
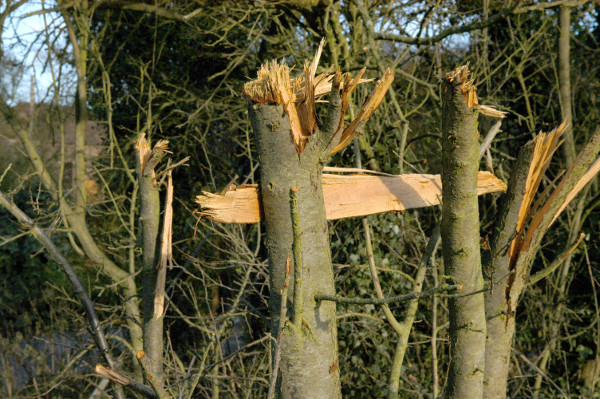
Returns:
point(153, 275)
point(148, 158)
point(545, 144)
point(345, 196)
point(298, 96)
point(585, 179)
point(541, 217)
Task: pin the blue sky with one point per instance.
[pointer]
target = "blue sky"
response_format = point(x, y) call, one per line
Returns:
point(24, 41)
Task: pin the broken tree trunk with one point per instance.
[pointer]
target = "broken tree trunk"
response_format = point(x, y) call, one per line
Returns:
point(517, 238)
point(460, 235)
point(146, 161)
point(532, 162)
point(310, 351)
point(497, 264)
point(292, 147)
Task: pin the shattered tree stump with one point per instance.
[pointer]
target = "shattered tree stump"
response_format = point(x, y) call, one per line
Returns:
point(292, 147)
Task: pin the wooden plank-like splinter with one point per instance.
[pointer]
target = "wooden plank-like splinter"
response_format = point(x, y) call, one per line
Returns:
point(344, 196)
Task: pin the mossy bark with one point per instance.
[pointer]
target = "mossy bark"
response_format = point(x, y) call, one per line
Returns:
point(309, 352)
point(460, 244)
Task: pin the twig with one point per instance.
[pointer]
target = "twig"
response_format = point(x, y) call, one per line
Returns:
point(549, 4)
point(169, 168)
point(385, 301)
point(5, 172)
point(411, 313)
point(485, 145)
point(554, 265)
point(537, 369)
point(232, 354)
point(448, 32)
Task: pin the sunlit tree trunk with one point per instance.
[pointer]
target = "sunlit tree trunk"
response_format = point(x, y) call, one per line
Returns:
point(309, 352)
point(460, 239)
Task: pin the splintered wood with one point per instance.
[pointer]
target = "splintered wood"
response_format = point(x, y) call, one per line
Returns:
point(298, 97)
point(345, 196)
point(531, 216)
point(469, 91)
point(545, 145)
point(589, 175)
point(371, 103)
point(145, 154)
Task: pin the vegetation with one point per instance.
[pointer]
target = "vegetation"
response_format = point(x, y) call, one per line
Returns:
point(99, 163)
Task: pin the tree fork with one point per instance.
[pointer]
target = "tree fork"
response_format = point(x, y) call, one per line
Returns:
point(497, 265)
point(518, 237)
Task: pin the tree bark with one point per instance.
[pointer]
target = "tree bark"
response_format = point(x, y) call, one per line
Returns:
point(309, 358)
point(564, 72)
point(146, 161)
point(510, 277)
point(500, 325)
point(460, 239)
point(79, 42)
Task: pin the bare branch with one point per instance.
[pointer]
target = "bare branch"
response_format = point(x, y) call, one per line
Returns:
point(385, 301)
point(448, 32)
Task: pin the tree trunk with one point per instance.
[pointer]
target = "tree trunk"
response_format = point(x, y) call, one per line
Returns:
point(146, 161)
point(500, 324)
point(460, 237)
point(309, 365)
point(564, 71)
point(513, 252)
